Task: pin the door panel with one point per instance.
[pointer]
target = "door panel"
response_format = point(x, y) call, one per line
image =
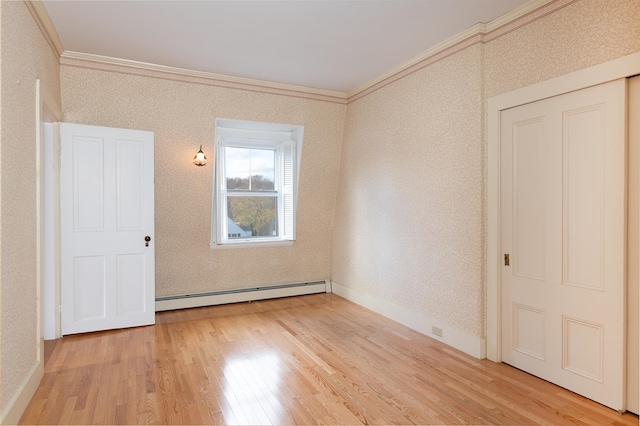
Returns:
point(106, 202)
point(130, 181)
point(88, 184)
point(89, 288)
point(528, 331)
point(130, 271)
point(583, 156)
point(563, 225)
point(578, 335)
point(529, 200)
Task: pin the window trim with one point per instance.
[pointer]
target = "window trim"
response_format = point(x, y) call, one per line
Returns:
point(250, 244)
point(256, 135)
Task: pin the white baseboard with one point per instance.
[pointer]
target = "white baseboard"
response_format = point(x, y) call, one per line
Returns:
point(197, 301)
point(11, 415)
point(468, 343)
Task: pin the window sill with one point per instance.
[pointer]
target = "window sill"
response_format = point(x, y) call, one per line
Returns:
point(250, 244)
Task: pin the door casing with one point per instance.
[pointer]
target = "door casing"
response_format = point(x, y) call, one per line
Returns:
point(633, 236)
point(47, 111)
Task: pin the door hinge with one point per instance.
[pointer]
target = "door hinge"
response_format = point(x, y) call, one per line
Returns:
point(506, 260)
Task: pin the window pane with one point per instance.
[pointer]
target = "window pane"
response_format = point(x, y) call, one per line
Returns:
point(237, 163)
point(250, 169)
point(252, 217)
point(263, 169)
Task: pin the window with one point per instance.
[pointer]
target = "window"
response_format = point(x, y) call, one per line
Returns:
point(255, 183)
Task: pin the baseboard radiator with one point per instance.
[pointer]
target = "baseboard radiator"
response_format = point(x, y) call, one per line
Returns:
point(222, 297)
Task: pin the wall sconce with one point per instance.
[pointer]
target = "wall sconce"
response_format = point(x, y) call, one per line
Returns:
point(200, 159)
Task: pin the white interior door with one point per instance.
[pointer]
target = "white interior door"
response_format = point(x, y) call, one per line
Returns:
point(563, 226)
point(106, 213)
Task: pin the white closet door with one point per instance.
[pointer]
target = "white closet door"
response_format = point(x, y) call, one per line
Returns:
point(563, 227)
point(107, 213)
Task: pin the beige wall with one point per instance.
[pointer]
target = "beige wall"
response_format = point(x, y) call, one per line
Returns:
point(583, 34)
point(410, 224)
point(182, 116)
point(25, 57)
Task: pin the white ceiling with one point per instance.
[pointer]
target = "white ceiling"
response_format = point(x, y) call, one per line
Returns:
point(334, 45)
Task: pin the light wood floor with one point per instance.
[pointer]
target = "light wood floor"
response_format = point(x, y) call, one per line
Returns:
point(306, 360)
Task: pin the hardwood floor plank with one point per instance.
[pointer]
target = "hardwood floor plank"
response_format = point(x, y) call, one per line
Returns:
point(315, 359)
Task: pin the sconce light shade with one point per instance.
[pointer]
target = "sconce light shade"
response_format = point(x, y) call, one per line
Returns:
point(200, 159)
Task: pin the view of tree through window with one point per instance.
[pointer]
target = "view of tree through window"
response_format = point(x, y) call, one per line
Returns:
point(249, 171)
point(256, 216)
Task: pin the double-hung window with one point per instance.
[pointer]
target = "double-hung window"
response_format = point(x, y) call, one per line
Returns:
point(255, 184)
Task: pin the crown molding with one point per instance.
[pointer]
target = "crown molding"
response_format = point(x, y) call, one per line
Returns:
point(479, 33)
point(522, 16)
point(106, 63)
point(43, 21)
point(523, 10)
point(456, 43)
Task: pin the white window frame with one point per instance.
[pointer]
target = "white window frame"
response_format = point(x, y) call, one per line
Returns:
point(286, 140)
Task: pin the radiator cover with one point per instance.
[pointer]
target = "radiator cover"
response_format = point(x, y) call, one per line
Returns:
point(221, 297)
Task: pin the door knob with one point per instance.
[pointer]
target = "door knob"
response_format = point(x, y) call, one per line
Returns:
point(146, 241)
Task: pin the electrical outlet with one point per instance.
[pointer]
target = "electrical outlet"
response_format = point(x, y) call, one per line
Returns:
point(436, 330)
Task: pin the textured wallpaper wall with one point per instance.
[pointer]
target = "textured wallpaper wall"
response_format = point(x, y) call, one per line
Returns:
point(182, 115)
point(25, 57)
point(413, 172)
point(408, 225)
point(580, 35)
